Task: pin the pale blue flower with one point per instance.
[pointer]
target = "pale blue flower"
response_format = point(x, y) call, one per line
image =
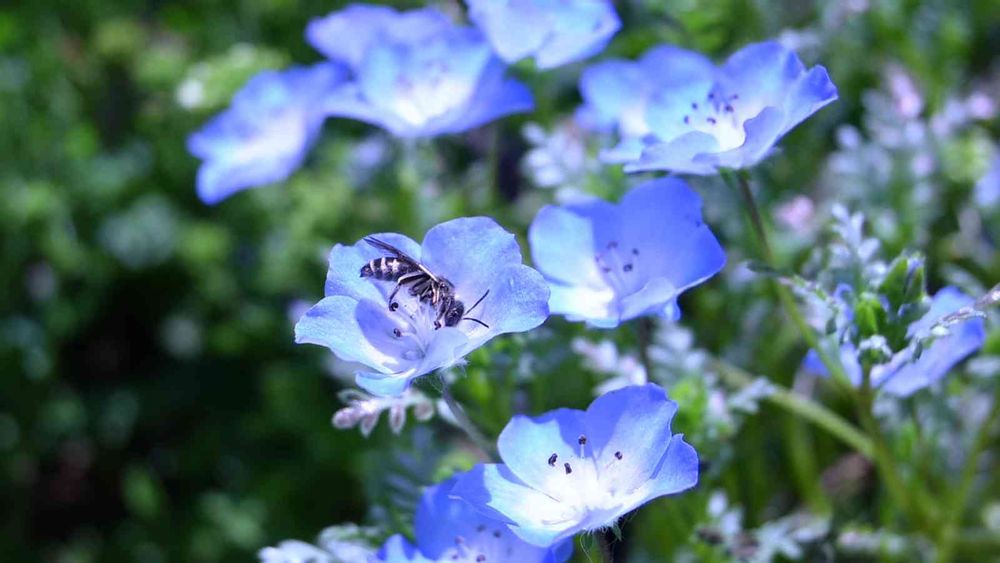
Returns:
point(452, 530)
point(267, 131)
point(554, 32)
point(903, 374)
point(415, 73)
point(476, 255)
point(675, 110)
point(609, 263)
point(570, 471)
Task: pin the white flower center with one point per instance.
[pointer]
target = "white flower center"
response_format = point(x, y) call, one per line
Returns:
point(719, 115)
point(620, 268)
point(487, 544)
point(577, 481)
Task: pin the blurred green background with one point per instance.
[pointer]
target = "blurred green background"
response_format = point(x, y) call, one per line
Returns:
point(153, 405)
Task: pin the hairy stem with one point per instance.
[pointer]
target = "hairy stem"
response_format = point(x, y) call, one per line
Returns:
point(804, 407)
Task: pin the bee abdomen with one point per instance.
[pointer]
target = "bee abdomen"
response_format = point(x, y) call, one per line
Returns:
point(385, 268)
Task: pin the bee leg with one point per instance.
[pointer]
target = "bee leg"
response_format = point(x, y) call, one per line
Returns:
point(393, 305)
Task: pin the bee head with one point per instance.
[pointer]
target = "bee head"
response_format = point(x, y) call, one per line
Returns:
point(454, 314)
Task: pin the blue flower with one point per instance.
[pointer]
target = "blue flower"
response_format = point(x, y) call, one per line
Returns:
point(675, 110)
point(400, 342)
point(903, 375)
point(554, 32)
point(569, 471)
point(266, 132)
point(451, 530)
point(609, 263)
point(415, 73)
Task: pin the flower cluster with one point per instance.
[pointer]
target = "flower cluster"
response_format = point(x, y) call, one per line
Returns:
point(553, 33)
point(405, 309)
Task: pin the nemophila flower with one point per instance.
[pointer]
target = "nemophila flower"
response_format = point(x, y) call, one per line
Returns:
point(405, 329)
point(677, 111)
point(569, 471)
point(415, 73)
point(346, 543)
point(906, 372)
point(452, 530)
point(609, 263)
point(266, 132)
point(554, 32)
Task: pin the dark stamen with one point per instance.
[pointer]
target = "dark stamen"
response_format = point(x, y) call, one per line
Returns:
point(496, 534)
point(393, 306)
point(627, 268)
point(687, 119)
point(397, 332)
point(694, 105)
point(552, 460)
point(568, 468)
point(618, 455)
point(582, 440)
point(481, 557)
point(711, 120)
point(729, 108)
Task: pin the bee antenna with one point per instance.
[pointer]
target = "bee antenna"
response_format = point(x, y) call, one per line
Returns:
point(476, 304)
point(475, 320)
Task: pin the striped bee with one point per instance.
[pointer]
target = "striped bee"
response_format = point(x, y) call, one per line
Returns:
point(424, 284)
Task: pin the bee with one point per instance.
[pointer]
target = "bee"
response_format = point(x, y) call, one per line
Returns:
point(425, 285)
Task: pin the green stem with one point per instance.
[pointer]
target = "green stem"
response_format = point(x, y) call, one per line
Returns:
point(465, 423)
point(883, 459)
point(644, 327)
point(949, 529)
point(912, 501)
point(832, 364)
point(805, 408)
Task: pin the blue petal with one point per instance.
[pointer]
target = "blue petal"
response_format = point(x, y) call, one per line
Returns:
point(761, 73)
point(762, 132)
point(608, 88)
point(562, 241)
point(810, 93)
point(525, 445)
point(333, 323)
point(577, 32)
point(442, 522)
point(493, 490)
point(495, 97)
point(677, 470)
point(678, 155)
point(514, 29)
point(397, 549)
point(344, 274)
point(518, 301)
point(943, 353)
point(346, 35)
point(470, 252)
point(665, 224)
point(266, 133)
point(382, 384)
point(635, 421)
point(582, 303)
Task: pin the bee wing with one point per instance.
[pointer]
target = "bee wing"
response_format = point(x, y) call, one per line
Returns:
point(400, 255)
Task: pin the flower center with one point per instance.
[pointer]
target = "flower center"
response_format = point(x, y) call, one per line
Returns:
point(620, 268)
point(576, 482)
point(718, 115)
point(486, 544)
point(414, 322)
